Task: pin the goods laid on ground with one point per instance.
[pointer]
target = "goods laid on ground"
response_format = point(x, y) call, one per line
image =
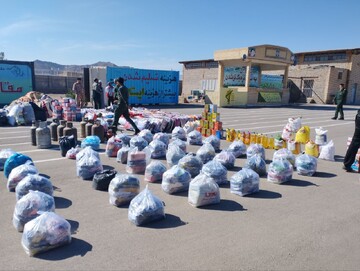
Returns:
point(19, 173)
point(291, 128)
point(33, 182)
point(320, 136)
point(284, 154)
point(162, 137)
point(175, 180)
point(215, 170)
point(102, 179)
point(244, 182)
point(158, 149)
point(280, 171)
point(113, 145)
point(122, 155)
point(91, 141)
point(303, 135)
point(123, 188)
point(178, 142)
point(194, 138)
point(203, 191)
point(306, 164)
point(327, 151)
point(191, 163)
point(178, 132)
point(124, 138)
point(4, 155)
point(88, 163)
point(14, 161)
point(45, 232)
point(30, 206)
point(66, 143)
point(294, 147)
point(71, 154)
point(214, 141)
point(147, 135)
point(311, 148)
point(138, 142)
point(191, 126)
point(174, 154)
point(206, 153)
point(238, 148)
point(145, 208)
point(255, 149)
point(257, 164)
point(137, 160)
point(226, 158)
point(210, 123)
point(154, 172)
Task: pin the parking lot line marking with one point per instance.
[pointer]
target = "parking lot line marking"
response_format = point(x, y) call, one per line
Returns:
point(13, 144)
point(13, 137)
point(56, 159)
point(5, 133)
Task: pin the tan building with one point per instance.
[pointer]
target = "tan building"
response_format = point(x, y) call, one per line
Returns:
point(318, 74)
point(315, 76)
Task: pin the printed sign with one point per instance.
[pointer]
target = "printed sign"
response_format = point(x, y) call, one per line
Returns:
point(148, 86)
point(271, 81)
point(236, 76)
point(269, 97)
point(16, 79)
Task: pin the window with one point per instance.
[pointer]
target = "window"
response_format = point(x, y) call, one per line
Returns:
point(213, 64)
point(308, 88)
point(340, 75)
point(193, 65)
point(324, 57)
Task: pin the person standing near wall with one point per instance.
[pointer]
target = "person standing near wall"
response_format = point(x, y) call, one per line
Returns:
point(79, 91)
point(109, 91)
point(354, 145)
point(96, 92)
point(122, 96)
point(340, 100)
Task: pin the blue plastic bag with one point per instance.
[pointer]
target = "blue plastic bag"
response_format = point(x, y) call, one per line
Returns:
point(14, 161)
point(92, 141)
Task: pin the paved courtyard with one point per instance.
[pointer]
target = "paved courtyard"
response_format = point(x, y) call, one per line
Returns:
point(309, 223)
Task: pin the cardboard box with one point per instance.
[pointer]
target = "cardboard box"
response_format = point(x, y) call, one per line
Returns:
point(206, 108)
point(211, 125)
point(203, 131)
point(206, 124)
point(218, 125)
point(213, 108)
point(208, 132)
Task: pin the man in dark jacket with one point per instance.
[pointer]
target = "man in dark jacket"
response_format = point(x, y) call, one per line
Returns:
point(340, 100)
point(96, 92)
point(122, 96)
point(354, 145)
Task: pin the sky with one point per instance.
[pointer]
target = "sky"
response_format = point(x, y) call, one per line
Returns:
point(157, 34)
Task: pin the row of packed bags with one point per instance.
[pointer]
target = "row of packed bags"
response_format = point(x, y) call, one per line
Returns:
point(88, 163)
point(137, 160)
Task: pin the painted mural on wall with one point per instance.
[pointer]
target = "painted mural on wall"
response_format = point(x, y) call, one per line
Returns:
point(16, 79)
point(233, 97)
point(148, 86)
point(271, 81)
point(269, 97)
point(236, 76)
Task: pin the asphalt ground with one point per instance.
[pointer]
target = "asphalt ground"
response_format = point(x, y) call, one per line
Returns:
point(309, 223)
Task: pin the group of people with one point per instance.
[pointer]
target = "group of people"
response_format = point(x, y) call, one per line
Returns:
point(116, 95)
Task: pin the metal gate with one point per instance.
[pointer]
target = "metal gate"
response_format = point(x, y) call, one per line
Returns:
point(308, 88)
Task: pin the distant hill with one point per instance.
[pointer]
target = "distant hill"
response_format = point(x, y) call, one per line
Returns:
point(42, 66)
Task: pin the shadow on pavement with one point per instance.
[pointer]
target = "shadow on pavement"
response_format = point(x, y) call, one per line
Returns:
point(234, 169)
point(62, 203)
point(299, 183)
point(225, 205)
point(265, 194)
point(74, 225)
point(324, 174)
point(105, 167)
point(77, 247)
point(339, 158)
point(170, 221)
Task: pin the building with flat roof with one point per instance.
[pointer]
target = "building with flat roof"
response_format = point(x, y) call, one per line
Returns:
point(313, 76)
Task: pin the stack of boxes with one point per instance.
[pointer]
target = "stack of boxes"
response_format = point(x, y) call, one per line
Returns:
point(70, 111)
point(210, 123)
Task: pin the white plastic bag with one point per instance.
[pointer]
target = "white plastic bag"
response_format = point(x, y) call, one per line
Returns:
point(284, 154)
point(203, 191)
point(178, 132)
point(33, 182)
point(174, 154)
point(191, 163)
point(175, 180)
point(238, 148)
point(244, 182)
point(123, 188)
point(306, 164)
point(254, 149)
point(280, 171)
point(88, 163)
point(194, 138)
point(215, 170)
point(145, 208)
point(320, 136)
point(214, 141)
point(19, 173)
point(226, 158)
point(45, 232)
point(154, 171)
point(327, 151)
point(206, 153)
